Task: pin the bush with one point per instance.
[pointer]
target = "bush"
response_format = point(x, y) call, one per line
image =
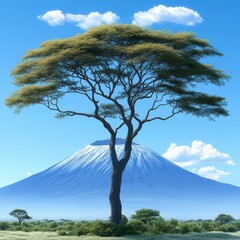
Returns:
point(184, 228)
point(135, 227)
point(171, 226)
point(63, 233)
point(237, 225)
point(194, 227)
point(83, 228)
point(53, 225)
point(124, 220)
point(156, 227)
point(145, 215)
point(228, 228)
point(4, 226)
point(107, 229)
point(208, 226)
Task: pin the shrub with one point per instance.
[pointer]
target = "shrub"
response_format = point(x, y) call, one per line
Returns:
point(237, 225)
point(194, 227)
point(4, 226)
point(228, 228)
point(171, 226)
point(135, 227)
point(145, 215)
point(63, 233)
point(83, 228)
point(184, 228)
point(208, 226)
point(124, 220)
point(157, 226)
point(53, 225)
point(107, 229)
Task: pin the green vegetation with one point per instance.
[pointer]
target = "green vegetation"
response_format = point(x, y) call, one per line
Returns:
point(116, 68)
point(145, 222)
point(224, 218)
point(146, 215)
point(20, 214)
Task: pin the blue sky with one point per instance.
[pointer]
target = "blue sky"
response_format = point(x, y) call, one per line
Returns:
point(35, 140)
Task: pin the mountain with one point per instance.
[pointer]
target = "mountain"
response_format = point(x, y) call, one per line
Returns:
point(78, 187)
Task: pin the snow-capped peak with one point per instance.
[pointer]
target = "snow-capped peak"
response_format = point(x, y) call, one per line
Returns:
point(97, 155)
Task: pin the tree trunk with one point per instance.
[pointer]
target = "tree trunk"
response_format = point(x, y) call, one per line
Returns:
point(116, 180)
point(114, 196)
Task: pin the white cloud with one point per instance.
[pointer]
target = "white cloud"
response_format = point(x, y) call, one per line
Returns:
point(197, 152)
point(230, 162)
point(161, 13)
point(92, 19)
point(96, 19)
point(75, 18)
point(185, 164)
point(210, 172)
point(53, 18)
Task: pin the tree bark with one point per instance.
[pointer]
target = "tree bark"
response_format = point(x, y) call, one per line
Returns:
point(116, 179)
point(114, 196)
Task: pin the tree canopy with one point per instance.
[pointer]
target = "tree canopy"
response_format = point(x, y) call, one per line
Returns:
point(20, 214)
point(115, 68)
point(224, 218)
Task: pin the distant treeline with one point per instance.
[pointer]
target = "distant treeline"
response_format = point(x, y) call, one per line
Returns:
point(143, 222)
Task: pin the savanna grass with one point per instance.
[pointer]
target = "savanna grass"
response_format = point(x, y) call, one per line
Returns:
point(13, 235)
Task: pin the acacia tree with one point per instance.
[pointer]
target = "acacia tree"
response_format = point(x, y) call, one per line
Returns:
point(127, 75)
point(224, 218)
point(20, 214)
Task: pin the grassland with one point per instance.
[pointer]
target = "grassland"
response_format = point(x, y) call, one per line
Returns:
point(8, 235)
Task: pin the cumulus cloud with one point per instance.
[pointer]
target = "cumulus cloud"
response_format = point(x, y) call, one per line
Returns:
point(198, 152)
point(161, 13)
point(210, 172)
point(185, 164)
point(56, 17)
point(53, 18)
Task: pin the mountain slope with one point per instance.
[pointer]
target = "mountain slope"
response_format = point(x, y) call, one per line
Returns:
point(78, 187)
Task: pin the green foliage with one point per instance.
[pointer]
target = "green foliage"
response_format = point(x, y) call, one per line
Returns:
point(124, 220)
point(224, 218)
point(236, 224)
point(4, 226)
point(63, 233)
point(107, 229)
point(228, 228)
point(116, 66)
point(20, 214)
point(145, 215)
point(189, 226)
point(208, 226)
point(184, 228)
point(152, 225)
point(195, 227)
point(82, 228)
point(156, 226)
point(136, 227)
point(171, 226)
